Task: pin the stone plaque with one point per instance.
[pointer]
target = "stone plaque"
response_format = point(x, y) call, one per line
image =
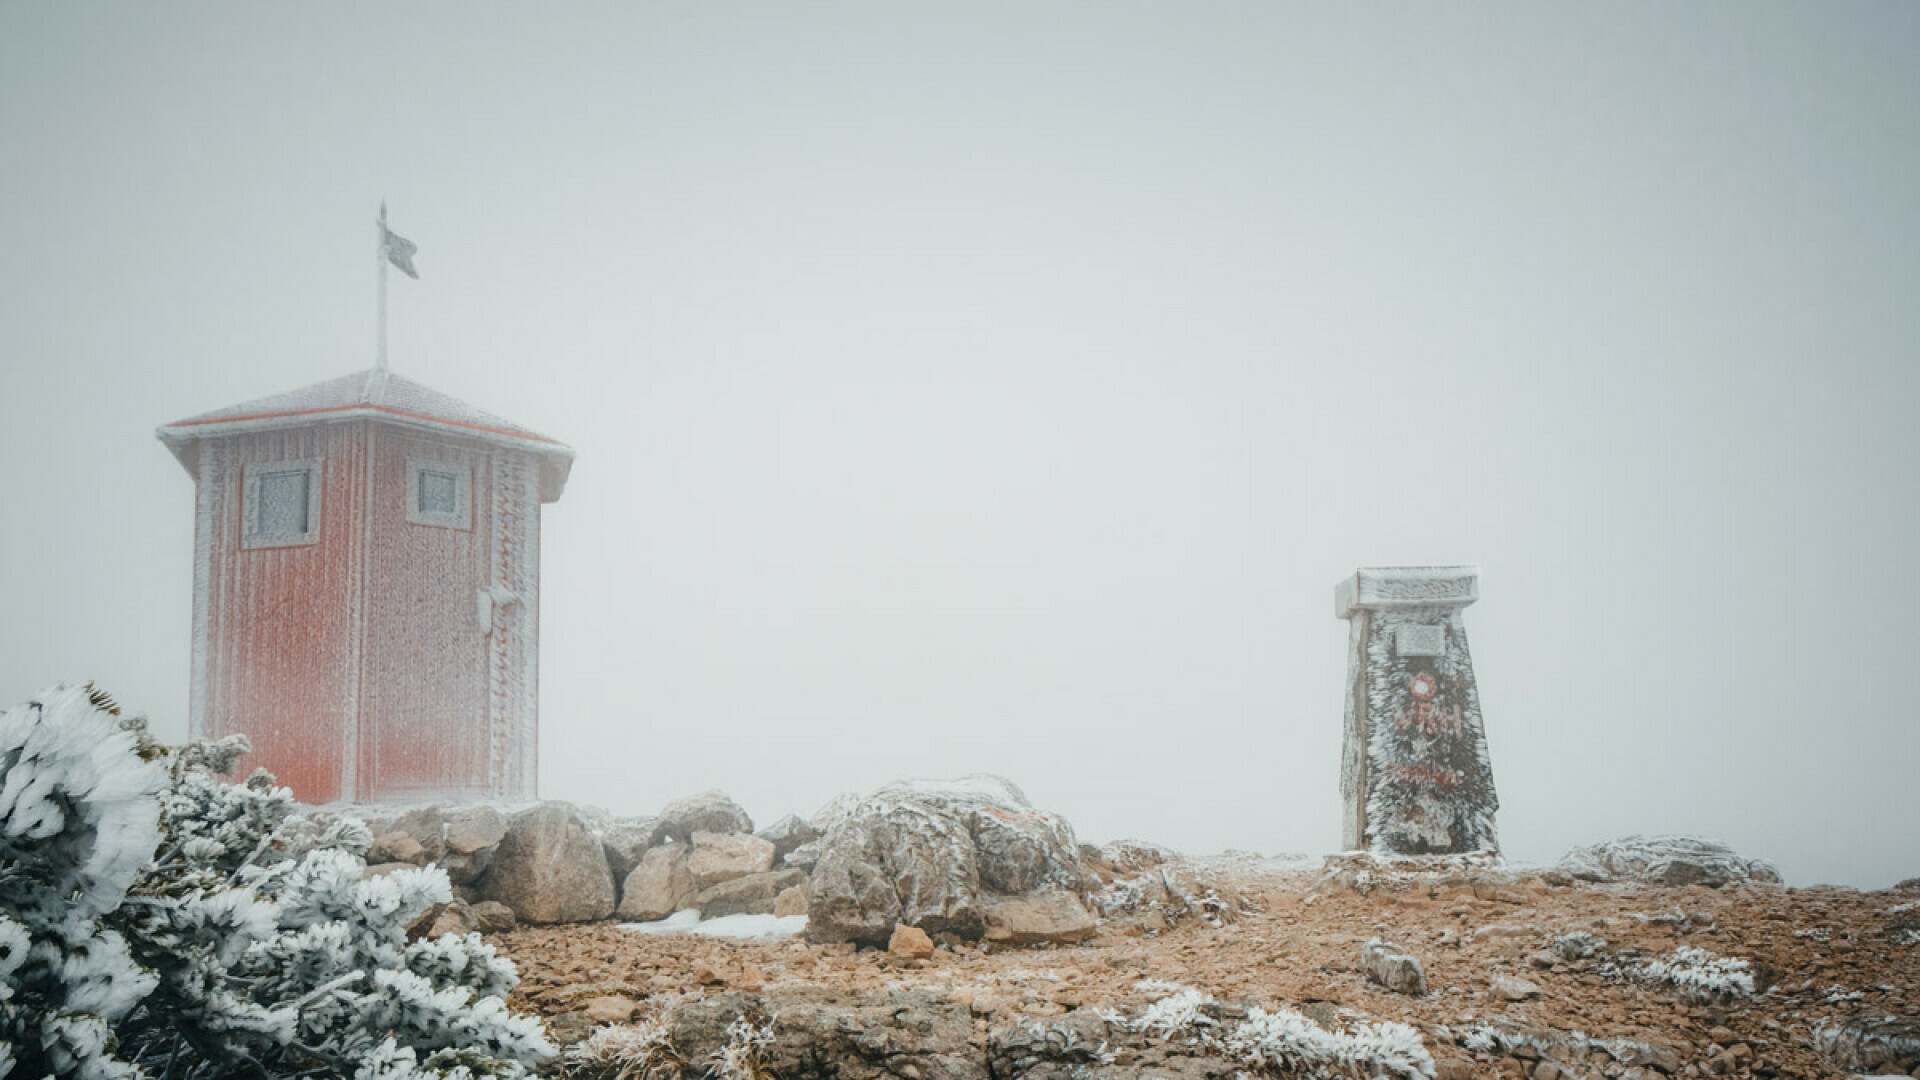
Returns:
point(1420, 640)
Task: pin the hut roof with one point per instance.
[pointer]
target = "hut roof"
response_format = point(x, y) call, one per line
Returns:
point(375, 395)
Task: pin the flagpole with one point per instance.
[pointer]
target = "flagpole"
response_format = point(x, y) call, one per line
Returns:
point(380, 259)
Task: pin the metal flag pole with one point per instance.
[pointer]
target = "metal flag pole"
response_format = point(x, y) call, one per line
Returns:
point(380, 258)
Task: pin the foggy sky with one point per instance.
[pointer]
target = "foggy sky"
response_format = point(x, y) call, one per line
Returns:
point(1005, 387)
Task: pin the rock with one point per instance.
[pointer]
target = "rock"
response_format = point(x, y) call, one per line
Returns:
point(791, 902)
point(1044, 918)
point(1659, 1054)
point(395, 846)
point(611, 1009)
point(930, 853)
point(1871, 1041)
point(1393, 967)
point(750, 895)
point(805, 857)
point(375, 870)
point(428, 827)
point(473, 829)
point(719, 857)
point(709, 811)
point(625, 841)
point(492, 916)
point(659, 886)
point(1511, 988)
point(1667, 860)
point(910, 943)
point(787, 834)
point(549, 869)
point(467, 869)
point(454, 917)
point(470, 835)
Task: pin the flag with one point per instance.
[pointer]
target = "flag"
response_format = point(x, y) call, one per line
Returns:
point(398, 249)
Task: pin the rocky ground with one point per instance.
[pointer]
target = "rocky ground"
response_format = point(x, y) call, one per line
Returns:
point(1508, 992)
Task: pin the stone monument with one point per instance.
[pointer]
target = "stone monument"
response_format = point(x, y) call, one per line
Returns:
point(1414, 772)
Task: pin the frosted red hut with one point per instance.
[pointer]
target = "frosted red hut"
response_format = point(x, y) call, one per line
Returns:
point(367, 588)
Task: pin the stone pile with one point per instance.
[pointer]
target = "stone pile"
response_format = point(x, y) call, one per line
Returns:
point(967, 859)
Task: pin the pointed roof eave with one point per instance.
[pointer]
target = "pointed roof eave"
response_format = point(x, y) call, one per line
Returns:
point(370, 395)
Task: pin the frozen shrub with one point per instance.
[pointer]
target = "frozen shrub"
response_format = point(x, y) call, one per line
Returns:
point(79, 818)
point(1578, 945)
point(1286, 1043)
point(642, 1051)
point(160, 920)
point(1698, 975)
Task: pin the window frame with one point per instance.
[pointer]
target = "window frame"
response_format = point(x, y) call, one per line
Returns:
point(461, 516)
point(255, 472)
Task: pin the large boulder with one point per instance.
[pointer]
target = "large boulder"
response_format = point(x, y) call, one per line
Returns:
point(1666, 860)
point(709, 811)
point(549, 868)
point(929, 854)
point(659, 886)
point(717, 857)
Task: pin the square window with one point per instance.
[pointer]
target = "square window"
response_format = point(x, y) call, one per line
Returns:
point(440, 494)
point(281, 505)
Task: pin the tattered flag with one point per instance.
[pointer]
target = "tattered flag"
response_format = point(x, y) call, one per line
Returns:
point(399, 250)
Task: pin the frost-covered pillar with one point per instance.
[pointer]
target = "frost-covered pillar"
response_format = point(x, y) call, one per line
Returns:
point(1414, 772)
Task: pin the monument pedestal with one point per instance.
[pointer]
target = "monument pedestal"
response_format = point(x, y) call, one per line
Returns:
point(1414, 774)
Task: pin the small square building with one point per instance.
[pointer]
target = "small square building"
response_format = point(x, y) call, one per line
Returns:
point(366, 604)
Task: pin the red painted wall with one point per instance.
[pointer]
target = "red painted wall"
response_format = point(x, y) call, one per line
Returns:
point(281, 666)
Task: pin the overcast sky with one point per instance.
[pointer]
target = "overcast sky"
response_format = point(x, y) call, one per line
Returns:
point(1005, 387)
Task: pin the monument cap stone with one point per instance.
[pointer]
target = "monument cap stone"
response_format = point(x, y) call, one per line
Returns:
point(1374, 588)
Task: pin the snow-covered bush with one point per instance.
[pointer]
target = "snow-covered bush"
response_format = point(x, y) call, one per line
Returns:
point(165, 919)
point(1698, 975)
point(1287, 1043)
point(79, 818)
point(1578, 945)
point(640, 1051)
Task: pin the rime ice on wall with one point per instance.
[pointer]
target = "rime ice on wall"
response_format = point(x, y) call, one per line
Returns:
point(366, 603)
point(1415, 777)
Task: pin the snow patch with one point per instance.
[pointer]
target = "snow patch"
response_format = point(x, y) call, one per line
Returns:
point(729, 927)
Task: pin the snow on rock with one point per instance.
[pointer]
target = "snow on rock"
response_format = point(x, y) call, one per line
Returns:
point(1667, 860)
point(928, 853)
